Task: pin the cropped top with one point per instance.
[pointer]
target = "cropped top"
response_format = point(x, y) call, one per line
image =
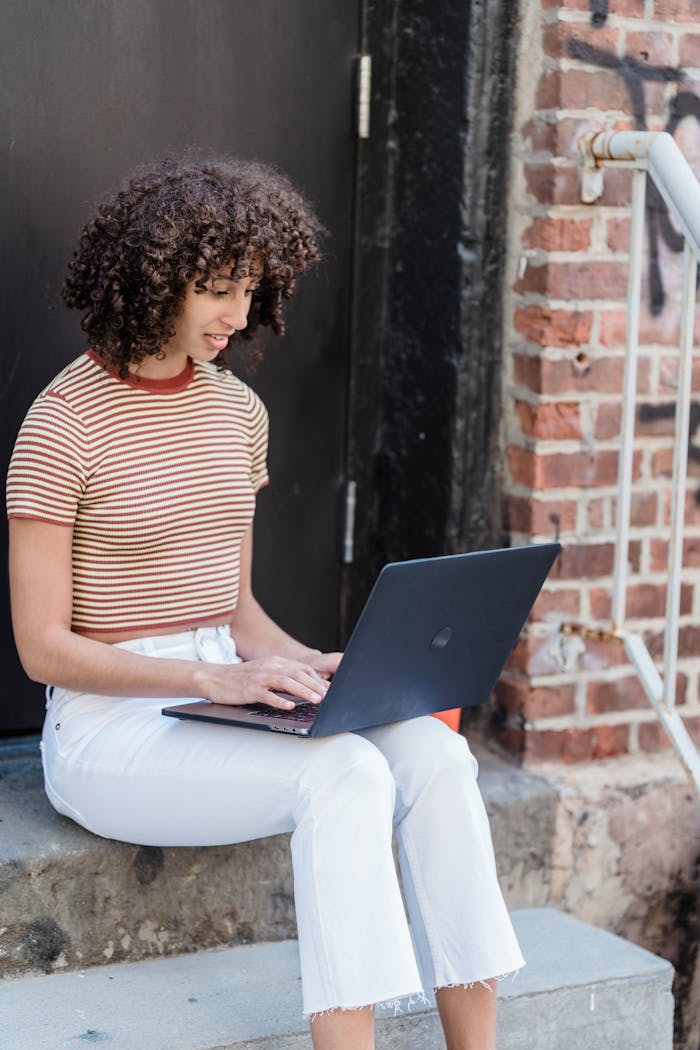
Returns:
point(157, 478)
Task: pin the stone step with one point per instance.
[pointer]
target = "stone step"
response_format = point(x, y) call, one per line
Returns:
point(71, 899)
point(582, 989)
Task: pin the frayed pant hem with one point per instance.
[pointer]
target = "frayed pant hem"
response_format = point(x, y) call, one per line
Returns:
point(510, 974)
point(415, 998)
point(397, 1005)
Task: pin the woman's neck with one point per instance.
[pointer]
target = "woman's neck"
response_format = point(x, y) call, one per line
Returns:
point(172, 363)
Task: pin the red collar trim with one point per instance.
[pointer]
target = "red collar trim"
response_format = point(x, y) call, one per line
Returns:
point(157, 386)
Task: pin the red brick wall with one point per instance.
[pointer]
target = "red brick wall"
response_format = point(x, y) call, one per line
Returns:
point(585, 66)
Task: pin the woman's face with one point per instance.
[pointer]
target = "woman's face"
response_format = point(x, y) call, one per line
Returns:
point(208, 317)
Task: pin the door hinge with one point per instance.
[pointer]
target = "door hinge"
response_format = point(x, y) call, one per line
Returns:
point(363, 81)
point(347, 524)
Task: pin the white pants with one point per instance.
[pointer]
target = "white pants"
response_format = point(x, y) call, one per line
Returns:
point(123, 771)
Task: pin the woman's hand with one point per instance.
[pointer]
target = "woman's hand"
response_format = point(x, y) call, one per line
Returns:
point(326, 664)
point(259, 681)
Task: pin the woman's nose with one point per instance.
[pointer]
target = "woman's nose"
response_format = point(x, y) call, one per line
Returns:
point(235, 315)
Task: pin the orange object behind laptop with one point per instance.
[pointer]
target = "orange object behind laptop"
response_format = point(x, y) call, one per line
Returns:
point(450, 718)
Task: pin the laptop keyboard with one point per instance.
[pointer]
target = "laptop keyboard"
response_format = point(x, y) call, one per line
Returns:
point(303, 712)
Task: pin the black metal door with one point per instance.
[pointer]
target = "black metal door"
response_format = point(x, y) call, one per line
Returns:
point(89, 90)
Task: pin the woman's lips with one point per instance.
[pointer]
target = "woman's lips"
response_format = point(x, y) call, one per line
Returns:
point(218, 342)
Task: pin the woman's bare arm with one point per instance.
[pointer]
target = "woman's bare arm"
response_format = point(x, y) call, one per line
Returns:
point(41, 595)
point(257, 635)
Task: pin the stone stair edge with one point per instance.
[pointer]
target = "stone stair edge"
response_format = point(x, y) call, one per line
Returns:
point(255, 989)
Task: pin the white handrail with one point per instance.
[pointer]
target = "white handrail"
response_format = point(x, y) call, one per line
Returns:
point(656, 154)
point(624, 495)
point(680, 468)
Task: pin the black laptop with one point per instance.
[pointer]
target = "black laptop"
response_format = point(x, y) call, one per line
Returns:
point(433, 635)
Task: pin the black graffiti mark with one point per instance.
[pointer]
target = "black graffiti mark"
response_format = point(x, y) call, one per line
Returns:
point(556, 522)
point(653, 413)
point(685, 104)
point(633, 73)
point(599, 12)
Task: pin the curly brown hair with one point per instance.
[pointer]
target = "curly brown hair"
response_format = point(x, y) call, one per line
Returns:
point(176, 221)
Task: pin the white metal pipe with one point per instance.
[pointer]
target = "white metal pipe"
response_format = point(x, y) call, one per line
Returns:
point(657, 154)
point(645, 667)
point(669, 717)
point(680, 466)
point(629, 401)
point(674, 178)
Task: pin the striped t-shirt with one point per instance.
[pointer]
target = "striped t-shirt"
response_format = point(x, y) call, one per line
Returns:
point(157, 478)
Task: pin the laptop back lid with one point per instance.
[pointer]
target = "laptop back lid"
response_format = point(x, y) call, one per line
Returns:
point(434, 634)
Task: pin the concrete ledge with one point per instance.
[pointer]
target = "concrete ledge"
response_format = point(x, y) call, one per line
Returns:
point(71, 899)
point(582, 989)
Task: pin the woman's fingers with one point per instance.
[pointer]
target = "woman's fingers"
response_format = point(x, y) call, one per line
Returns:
point(299, 679)
point(326, 664)
point(259, 681)
point(302, 685)
point(271, 695)
point(273, 700)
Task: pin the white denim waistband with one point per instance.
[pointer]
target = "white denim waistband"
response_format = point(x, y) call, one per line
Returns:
point(212, 645)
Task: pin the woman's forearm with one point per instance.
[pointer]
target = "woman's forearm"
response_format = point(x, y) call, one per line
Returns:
point(62, 658)
point(257, 635)
point(41, 587)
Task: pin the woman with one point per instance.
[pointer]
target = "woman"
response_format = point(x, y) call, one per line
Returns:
point(131, 494)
